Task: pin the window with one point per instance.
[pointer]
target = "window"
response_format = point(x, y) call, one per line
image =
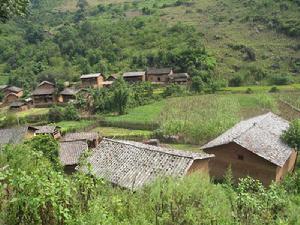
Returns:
point(240, 157)
point(158, 79)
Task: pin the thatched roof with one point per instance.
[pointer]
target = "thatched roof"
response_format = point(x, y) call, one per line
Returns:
point(12, 135)
point(134, 74)
point(260, 135)
point(159, 71)
point(87, 136)
point(132, 164)
point(87, 76)
point(70, 152)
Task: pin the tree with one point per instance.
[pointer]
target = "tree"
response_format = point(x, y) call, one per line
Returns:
point(292, 135)
point(197, 84)
point(10, 8)
point(120, 95)
point(47, 145)
point(71, 113)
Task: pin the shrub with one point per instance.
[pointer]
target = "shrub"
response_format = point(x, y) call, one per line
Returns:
point(120, 96)
point(274, 89)
point(292, 135)
point(197, 84)
point(9, 120)
point(173, 90)
point(281, 80)
point(55, 114)
point(70, 113)
point(236, 81)
point(249, 91)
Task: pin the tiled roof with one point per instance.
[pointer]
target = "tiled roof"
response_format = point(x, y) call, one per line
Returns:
point(70, 152)
point(159, 71)
point(43, 91)
point(69, 91)
point(45, 129)
point(3, 87)
point(86, 76)
point(17, 104)
point(260, 135)
point(12, 135)
point(14, 89)
point(89, 136)
point(134, 74)
point(132, 165)
point(46, 82)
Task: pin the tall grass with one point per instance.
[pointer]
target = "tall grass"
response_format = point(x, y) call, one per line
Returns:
point(198, 119)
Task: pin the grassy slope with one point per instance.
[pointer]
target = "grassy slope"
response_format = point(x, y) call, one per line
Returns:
point(222, 24)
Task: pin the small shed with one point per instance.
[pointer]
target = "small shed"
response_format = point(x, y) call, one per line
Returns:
point(67, 95)
point(132, 77)
point(132, 165)
point(70, 153)
point(92, 80)
point(253, 148)
point(9, 98)
point(92, 138)
point(159, 75)
point(179, 78)
point(18, 106)
point(46, 130)
point(44, 94)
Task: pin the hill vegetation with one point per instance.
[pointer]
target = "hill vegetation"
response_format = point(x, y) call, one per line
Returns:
point(243, 42)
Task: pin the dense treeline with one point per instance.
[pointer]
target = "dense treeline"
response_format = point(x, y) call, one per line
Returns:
point(33, 190)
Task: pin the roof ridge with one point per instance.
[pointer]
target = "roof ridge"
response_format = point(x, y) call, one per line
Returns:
point(158, 149)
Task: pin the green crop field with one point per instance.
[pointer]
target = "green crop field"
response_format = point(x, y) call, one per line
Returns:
point(33, 112)
point(70, 126)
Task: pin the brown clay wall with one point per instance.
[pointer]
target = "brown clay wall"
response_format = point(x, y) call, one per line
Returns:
point(288, 167)
point(158, 78)
point(243, 163)
point(199, 165)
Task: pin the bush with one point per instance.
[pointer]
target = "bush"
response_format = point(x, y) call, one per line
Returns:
point(70, 113)
point(249, 91)
point(9, 120)
point(274, 89)
point(236, 81)
point(173, 90)
point(281, 80)
point(292, 135)
point(55, 114)
point(197, 84)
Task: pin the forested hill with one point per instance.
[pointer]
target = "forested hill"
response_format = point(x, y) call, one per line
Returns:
point(240, 41)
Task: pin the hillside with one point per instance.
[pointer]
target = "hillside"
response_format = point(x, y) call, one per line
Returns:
point(253, 42)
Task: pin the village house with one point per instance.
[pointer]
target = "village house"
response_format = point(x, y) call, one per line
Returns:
point(253, 148)
point(132, 77)
point(12, 135)
point(11, 97)
point(179, 78)
point(19, 106)
point(67, 95)
point(69, 154)
point(159, 76)
point(92, 80)
point(132, 165)
point(13, 89)
point(92, 138)
point(45, 130)
point(44, 94)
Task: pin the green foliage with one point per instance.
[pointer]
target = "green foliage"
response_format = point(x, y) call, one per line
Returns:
point(10, 9)
point(71, 113)
point(249, 91)
point(57, 114)
point(174, 90)
point(197, 84)
point(236, 81)
point(292, 135)
point(47, 145)
point(281, 80)
point(9, 120)
point(274, 89)
point(120, 96)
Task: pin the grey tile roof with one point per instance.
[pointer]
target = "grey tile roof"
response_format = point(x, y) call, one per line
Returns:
point(43, 91)
point(159, 71)
point(260, 135)
point(134, 74)
point(46, 82)
point(87, 76)
point(132, 165)
point(14, 89)
point(12, 135)
point(2, 87)
point(69, 91)
point(177, 76)
point(45, 129)
point(88, 136)
point(70, 152)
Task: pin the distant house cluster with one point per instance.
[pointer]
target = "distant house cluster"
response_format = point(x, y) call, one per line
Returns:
point(251, 148)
